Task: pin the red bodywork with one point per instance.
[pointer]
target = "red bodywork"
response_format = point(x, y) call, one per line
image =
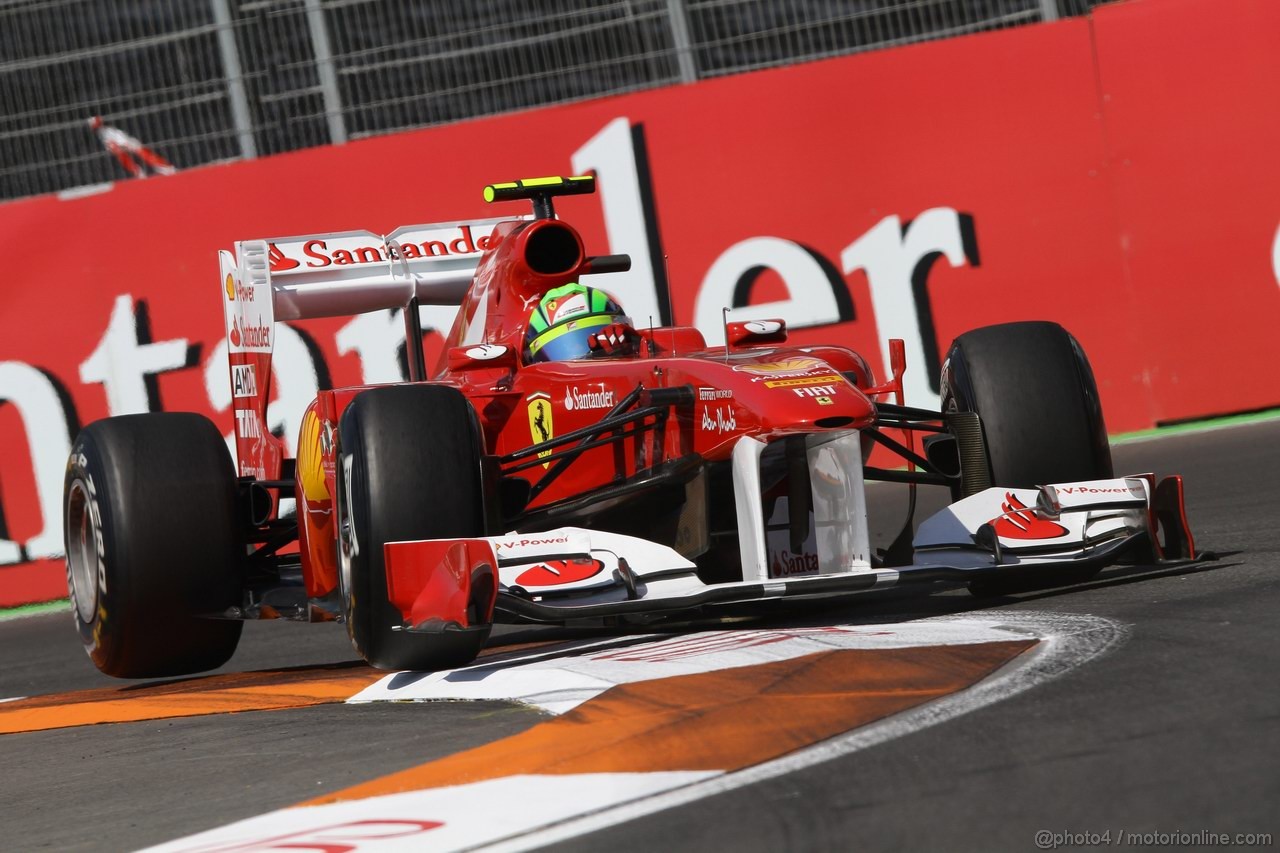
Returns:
point(756, 386)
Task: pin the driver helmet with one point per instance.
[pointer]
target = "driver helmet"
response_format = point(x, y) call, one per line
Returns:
point(566, 318)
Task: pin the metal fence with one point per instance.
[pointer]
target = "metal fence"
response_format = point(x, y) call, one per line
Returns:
point(204, 81)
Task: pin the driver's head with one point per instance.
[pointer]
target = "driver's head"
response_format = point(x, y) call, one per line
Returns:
point(565, 319)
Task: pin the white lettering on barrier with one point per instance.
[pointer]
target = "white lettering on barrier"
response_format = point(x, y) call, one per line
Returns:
point(377, 339)
point(48, 427)
point(611, 154)
point(895, 260)
point(892, 256)
point(812, 299)
point(1275, 256)
point(125, 358)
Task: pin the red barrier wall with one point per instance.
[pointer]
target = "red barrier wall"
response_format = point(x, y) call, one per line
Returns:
point(1116, 174)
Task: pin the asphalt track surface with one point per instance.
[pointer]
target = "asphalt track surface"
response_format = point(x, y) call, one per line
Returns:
point(1177, 729)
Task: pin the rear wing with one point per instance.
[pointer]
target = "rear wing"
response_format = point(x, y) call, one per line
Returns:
point(329, 275)
point(350, 272)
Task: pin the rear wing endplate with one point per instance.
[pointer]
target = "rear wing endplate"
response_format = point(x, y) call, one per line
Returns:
point(329, 275)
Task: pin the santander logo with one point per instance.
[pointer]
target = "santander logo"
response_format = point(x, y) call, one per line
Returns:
point(1020, 522)
point(589, 399)
point(250, 336)
point(280, 262)
point(316, 253)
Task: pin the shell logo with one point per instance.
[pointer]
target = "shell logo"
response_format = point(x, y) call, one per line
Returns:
point(310, 455)
point(231, 288)
point(785, 367)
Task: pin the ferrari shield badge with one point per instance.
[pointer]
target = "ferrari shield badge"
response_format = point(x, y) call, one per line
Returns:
point(541, 428)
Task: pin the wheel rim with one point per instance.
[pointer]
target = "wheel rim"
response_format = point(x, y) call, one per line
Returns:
point(348, 546)
point(82, 551)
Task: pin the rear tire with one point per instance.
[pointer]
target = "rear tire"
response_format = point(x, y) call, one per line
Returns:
point(409, 468)
point(1033, 390)
point(152, 543)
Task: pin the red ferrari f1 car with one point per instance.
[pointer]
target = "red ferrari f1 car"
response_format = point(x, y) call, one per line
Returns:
point(661, 477)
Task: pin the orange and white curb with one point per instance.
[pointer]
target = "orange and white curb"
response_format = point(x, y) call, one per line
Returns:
point(216, 694)
point(646, 725)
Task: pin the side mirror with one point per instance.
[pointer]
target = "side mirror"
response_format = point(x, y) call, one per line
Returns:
point(755, 332)
point(482, 356)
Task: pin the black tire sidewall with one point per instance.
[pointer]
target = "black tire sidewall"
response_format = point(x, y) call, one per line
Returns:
point(162, 489)
point(103, 635)
point(1034, 391)
point(409, 468)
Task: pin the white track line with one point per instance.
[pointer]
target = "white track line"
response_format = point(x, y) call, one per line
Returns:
point(1067, 642)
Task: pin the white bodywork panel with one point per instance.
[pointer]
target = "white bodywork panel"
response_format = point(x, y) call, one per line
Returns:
point(573, 569)
point(839, 503)
point(1026, 518)
point(544, 563)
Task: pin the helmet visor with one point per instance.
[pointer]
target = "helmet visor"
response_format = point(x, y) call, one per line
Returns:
point(569, 340)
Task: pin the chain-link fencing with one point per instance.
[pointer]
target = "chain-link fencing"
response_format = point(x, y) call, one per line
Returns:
point(205, 81)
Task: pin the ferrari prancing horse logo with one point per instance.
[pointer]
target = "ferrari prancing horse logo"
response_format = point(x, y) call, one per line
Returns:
point(541, 427)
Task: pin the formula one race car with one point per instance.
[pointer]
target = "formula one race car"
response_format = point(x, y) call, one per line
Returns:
point(662, 478)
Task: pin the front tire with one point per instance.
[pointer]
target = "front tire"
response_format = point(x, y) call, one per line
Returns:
point(1034, 393)
point(152, 544)
point(409, 468)
point(1033, 389)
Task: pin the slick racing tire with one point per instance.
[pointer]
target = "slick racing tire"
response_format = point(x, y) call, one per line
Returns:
point(152, 544)
point(1034, 393)
point(409, 468)
point(1036, 399)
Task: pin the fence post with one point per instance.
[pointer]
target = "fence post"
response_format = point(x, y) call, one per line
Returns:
point(235, 79)
point(1049, 10)
point(324, 68)
point(680, 40)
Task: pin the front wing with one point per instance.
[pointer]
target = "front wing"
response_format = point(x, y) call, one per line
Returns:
point(572, 574)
